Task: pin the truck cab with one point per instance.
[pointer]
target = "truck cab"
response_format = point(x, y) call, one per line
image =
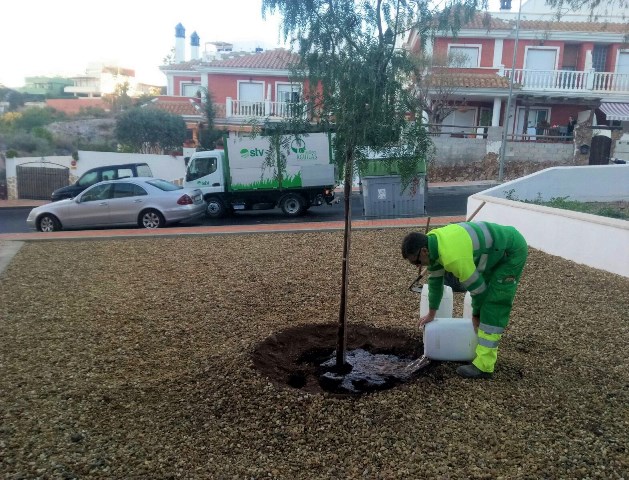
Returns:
point(206, 171)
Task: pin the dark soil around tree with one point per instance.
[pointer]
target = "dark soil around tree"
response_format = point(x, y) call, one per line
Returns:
point(293, 357)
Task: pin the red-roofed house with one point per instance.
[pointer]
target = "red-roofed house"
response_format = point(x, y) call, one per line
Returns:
point(244, 86)
point(562, 68)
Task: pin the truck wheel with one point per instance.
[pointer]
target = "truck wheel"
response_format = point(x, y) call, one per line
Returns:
point(293, 205)
point(215, 208)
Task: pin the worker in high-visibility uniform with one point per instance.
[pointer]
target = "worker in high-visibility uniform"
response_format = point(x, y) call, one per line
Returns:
point(488, 260)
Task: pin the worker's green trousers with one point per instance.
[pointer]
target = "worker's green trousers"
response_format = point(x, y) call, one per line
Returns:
point(502, 282)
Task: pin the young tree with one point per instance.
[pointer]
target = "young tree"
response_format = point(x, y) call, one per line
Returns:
point(119, 100)
point(358, 85)
point(208, 134)
point(149, 130)
point(595, 8)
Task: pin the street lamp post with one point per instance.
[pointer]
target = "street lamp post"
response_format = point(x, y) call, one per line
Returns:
point(503, 146)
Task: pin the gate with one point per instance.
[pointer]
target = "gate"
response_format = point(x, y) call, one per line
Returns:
point(37, 183)
point(599, 152)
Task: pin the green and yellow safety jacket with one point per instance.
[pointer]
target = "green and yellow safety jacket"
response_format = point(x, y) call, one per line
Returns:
point(468, 250)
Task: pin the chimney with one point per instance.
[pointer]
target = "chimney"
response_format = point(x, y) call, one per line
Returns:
point(505, 5)
point(194, 46)
point(180, 46)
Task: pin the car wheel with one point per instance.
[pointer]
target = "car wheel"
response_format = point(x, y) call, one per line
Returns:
point(293, 205)
point(48, 223)
point(151, 219)
point(215, 208)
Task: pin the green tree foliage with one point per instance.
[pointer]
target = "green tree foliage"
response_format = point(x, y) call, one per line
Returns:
point(15, 98)
point(33, 117)
point(358, 83)
point(357, 76)
point(27, 144)
point(208, 133)
point(26, 132)
point(595, 8)
point(149, 130)
point(119, 100)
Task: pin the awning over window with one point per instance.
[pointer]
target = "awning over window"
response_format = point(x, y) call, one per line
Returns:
point(616, 111)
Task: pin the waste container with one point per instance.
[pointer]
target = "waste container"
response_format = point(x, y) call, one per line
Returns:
point(383, 197)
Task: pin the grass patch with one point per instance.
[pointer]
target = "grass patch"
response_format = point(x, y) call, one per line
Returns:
point(618, 209)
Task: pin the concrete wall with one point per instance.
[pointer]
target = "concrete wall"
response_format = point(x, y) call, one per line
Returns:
point(535, 151)
point(453, 150)
point(597, 183)
point(163, 166)
point(591, 240)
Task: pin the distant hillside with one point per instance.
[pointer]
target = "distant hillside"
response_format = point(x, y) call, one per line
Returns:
point(89, 131)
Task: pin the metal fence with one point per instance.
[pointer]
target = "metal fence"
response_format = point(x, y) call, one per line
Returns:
point(37, 183)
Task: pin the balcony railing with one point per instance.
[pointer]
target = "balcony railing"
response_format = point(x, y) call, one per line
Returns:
point(568, 80)
point(262, 109)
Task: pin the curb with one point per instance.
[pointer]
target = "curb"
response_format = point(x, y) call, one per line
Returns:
point(11, 243)
point(419, 222)
point(7, 252)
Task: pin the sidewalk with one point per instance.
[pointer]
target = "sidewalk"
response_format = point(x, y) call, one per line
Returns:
point(22, 203)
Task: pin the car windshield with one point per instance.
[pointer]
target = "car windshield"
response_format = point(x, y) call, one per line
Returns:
point(89, 178)
point(164, 185)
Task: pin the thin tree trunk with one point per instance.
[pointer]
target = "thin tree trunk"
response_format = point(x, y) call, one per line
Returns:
point(342, 333)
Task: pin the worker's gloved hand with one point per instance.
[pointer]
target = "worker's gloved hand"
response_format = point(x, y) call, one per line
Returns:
point(429, 317)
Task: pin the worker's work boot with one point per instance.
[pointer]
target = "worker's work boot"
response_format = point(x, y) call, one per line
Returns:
point(471, 371)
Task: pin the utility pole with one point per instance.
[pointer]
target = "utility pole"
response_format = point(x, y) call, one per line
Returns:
point(505, 123)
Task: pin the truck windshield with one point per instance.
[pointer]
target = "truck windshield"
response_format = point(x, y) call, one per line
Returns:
point(200, 167)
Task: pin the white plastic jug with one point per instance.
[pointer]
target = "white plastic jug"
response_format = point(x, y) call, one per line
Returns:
point(467, 305)
point(445, 307)
point(452, 339)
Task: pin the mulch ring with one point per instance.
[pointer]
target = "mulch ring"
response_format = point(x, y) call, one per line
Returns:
point(292, 357)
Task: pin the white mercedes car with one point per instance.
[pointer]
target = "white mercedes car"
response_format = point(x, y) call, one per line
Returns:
point(143, 201)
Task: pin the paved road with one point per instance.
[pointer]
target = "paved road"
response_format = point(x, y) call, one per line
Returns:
point(441, 201)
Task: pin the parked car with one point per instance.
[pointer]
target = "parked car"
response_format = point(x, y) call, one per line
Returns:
point(99, 174)
point(144, 201)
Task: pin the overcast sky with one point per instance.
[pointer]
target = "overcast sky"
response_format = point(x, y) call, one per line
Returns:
point(44, 37)
point(60, 37)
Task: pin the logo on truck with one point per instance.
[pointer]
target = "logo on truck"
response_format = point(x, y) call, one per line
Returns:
point(298, 146)
point(254, 152)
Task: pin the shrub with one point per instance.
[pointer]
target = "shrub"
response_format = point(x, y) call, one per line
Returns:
point(41, 132)
point(27, 144)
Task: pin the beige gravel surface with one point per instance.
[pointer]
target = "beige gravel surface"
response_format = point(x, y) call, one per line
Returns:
point(131, 359)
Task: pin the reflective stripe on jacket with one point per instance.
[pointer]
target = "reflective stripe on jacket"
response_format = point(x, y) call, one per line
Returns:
point(469, 250)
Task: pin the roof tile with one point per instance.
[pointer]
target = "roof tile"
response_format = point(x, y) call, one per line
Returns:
point(176, 105)
point(468, 80)
point(277, 59)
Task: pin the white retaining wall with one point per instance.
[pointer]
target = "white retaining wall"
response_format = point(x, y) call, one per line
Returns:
point(591, 240)
point(163, 166)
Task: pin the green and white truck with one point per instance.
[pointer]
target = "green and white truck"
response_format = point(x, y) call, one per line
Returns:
point(240, 178)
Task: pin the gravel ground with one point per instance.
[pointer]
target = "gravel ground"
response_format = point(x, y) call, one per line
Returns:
point(132, 359)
